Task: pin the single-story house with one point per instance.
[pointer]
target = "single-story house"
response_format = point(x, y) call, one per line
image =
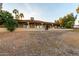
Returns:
point(34, 24)
point(31, 23)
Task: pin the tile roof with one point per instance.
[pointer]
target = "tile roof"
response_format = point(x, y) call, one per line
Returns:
point(34, 21)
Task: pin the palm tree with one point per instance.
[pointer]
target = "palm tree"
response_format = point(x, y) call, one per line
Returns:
point(16, 12)
point(17, 16)
point(21, 15)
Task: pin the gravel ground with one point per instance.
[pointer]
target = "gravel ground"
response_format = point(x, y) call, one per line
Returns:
point(39, 43)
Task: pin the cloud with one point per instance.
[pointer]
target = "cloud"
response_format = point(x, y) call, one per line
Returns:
point(27, 9)
point(31, 12)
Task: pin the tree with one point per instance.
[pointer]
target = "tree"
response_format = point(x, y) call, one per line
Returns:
point(21, 15)
point(61, 22)
point(77, 10)
point(69, 20)
point(0, 6)
point(16, 12)
point(17, 16)
point(57, 23)
point(69, 24)
point(66, 21)
point(7, 19)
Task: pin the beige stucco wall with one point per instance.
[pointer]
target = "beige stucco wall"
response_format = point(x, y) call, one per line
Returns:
point(22, 29)
point(5, 30)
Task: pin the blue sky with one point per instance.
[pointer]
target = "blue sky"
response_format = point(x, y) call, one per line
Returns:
point(42, 11)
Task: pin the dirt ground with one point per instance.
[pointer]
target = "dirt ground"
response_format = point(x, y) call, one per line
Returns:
point(39, 43)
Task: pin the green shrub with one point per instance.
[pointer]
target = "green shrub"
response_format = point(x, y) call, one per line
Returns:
point(7, 19)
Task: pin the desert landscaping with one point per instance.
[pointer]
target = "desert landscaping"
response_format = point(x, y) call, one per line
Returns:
point(39, 43)
point(35, 33)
